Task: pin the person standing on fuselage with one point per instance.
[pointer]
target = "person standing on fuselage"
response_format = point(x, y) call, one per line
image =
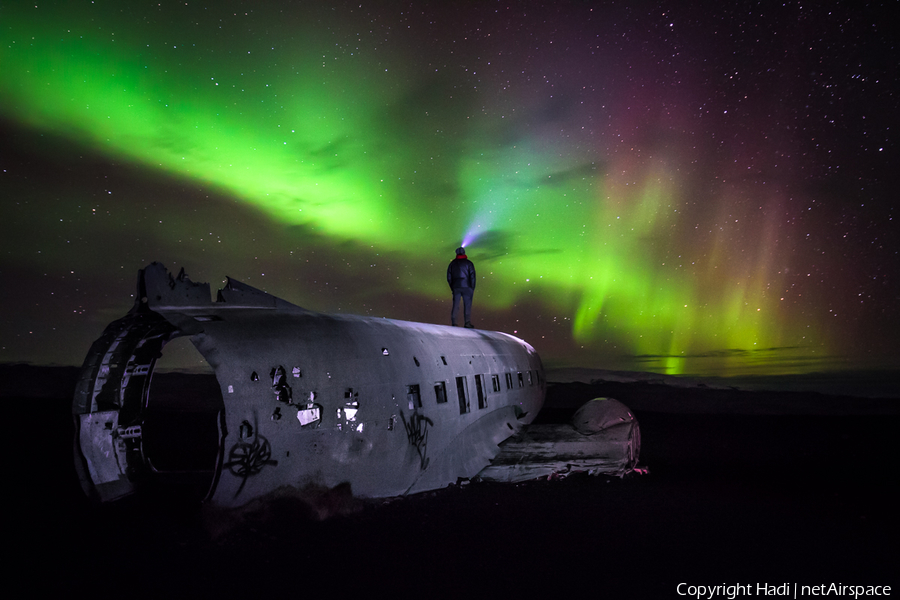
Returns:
point(461, 278)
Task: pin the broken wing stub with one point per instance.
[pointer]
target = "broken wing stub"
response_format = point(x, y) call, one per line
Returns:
point(603, 437)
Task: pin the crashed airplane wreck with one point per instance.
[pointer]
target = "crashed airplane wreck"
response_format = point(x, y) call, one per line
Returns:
point(302, 398)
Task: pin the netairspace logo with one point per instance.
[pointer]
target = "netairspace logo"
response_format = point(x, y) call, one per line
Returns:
point(787, 590)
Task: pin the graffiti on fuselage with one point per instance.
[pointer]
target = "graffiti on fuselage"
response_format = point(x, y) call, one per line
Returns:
point(249, 455)
point(417, 433)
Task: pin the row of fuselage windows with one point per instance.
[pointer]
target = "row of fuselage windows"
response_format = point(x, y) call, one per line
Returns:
point(484, 385)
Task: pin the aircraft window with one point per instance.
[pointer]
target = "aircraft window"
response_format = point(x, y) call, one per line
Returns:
point(509, 381)
point(440, 392)
point(254, 376)
point(495, 383)
point(444, 360)
point(462, 391)
point(481, 392)
point(530, 379)
point(416, 361)
point(412, 394)
point(521, 380)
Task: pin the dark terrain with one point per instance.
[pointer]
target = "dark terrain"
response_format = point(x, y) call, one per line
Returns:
point(743, 487)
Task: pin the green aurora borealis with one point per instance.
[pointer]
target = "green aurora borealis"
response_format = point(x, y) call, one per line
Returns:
point(620, 207)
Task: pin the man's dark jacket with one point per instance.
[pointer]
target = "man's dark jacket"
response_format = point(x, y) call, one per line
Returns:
point(461, 273)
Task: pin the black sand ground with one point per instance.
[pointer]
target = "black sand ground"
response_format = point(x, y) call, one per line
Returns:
point(736, 494)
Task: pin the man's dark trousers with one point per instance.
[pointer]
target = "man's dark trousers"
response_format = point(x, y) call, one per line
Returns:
point(466, 294)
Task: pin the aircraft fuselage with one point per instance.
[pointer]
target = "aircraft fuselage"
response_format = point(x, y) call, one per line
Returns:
point(390, 407)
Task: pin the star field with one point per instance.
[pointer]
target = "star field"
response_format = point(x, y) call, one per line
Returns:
point(705, 189)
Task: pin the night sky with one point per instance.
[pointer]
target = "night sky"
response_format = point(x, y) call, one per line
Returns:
point(703, 187)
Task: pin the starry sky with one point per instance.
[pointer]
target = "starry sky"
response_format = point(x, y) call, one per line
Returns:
point(682, 188)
